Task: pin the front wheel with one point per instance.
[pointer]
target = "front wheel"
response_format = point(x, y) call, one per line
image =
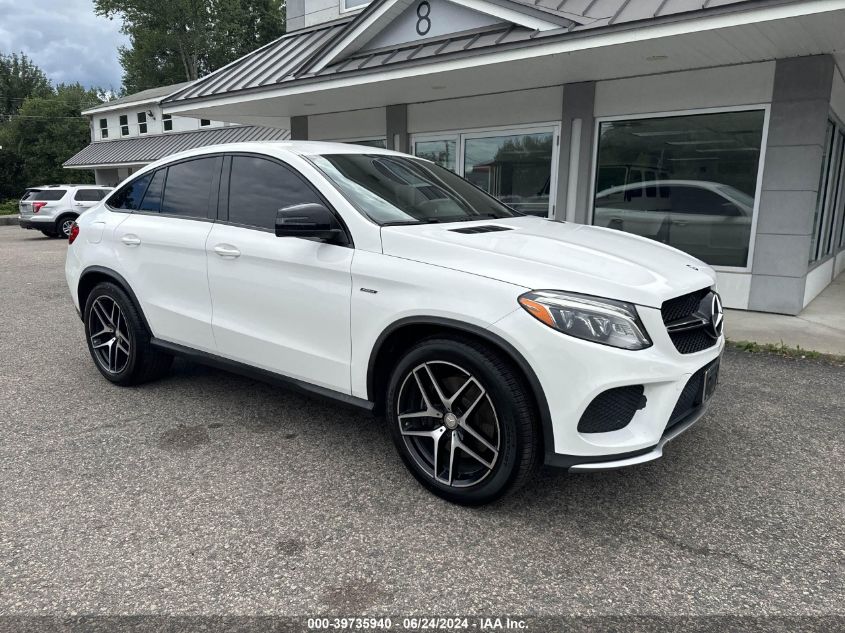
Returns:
point(463, 420)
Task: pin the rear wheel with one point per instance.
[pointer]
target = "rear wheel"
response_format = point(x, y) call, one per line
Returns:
point(462, 420)
point(63, 226)
point(117, 339)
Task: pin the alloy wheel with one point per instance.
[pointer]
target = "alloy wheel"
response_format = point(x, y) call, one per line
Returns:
point(109, 335)
point(455, 439)
point(66, 226)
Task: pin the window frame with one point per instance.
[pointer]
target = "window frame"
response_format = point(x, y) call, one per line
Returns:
point(343, 8)
point(764, 107)
point(142, 124)
point(461, 136)
point(206, 124)
point(165, 120)
point(214, 193)
point(123, 126)
point(225, 188)
point(104, 129)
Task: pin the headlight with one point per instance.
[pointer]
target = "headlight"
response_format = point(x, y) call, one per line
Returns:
point(604, 321)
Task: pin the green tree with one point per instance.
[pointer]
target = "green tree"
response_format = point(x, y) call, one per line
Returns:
point(41, 135)
point(181, 40)
point(19, 79)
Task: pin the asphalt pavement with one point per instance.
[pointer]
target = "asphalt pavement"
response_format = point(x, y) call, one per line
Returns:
point(209, 493)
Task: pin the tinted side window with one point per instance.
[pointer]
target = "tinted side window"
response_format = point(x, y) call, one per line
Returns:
point(152, 199)
point(88, 195)
point(189, 187)
point(129, 196)
point(258, 188)
point(50, 194)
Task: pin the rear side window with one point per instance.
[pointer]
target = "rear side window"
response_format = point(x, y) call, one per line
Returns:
point(130, 195)
point(188, 187)
point(152, 199)
point(258, 188)
point(49, 194)
point(29, 195)
point(89, 195)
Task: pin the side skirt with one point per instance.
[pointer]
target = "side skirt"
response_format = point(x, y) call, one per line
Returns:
point(212, 360)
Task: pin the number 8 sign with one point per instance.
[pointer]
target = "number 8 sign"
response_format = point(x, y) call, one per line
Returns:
point(423, 19)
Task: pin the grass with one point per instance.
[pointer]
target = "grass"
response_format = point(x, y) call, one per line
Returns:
point(780, 349)
point(10, 207)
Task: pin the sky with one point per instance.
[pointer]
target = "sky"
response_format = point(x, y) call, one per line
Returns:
point(65, 39)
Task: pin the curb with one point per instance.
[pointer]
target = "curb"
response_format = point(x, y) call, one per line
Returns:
point(8, 220)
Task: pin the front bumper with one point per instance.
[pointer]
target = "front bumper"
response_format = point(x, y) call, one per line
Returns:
point(572, 373)
point(641, 457)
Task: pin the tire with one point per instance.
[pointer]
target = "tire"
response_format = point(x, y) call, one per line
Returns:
point(491, 414)
point(126, 358)
point(63, 225)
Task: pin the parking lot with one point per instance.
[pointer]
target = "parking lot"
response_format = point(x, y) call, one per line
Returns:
point(209, 493)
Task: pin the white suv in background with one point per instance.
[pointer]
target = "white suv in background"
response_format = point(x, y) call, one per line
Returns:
point(491, 341)
point(53, 208)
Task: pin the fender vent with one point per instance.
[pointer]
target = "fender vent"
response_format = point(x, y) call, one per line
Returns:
point(486, 228)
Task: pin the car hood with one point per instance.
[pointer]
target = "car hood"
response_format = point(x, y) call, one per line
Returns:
point(540, 254)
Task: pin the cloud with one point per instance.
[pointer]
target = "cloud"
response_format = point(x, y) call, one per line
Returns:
point(65, 39)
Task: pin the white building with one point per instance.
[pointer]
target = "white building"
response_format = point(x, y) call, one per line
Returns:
point(715, 126)
point(130, 132)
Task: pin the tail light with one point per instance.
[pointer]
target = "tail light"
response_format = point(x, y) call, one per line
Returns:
point(36, 206)
point(74, 231)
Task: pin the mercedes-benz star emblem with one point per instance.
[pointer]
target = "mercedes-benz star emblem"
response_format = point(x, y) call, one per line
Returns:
point(717, 316)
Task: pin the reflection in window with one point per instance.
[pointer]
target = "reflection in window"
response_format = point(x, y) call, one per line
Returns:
point(515, 168)
point(444, 152)
point(686, 181)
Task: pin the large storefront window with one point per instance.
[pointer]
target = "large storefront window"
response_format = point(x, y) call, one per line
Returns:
point(687, 181)
point(442, 152)
point(516, 169)
point(514, 166)
point(829, 200)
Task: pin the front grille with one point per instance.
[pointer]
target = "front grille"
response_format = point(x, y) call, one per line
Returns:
point(612, 410)
point(680, 309)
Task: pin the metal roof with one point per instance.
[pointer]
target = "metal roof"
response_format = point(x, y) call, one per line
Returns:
point(146, 149)
point(290, 57)
point(145, 96)
point(271, 64)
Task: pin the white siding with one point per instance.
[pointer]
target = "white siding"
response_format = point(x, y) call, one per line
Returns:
point(357, 124)
point(540, 105)
point(745, 84)
point(154, 125)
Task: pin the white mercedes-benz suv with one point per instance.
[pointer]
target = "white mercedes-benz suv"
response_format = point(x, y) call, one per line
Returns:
point(491, 341)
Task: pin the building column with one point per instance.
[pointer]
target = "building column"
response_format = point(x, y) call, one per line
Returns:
point(574, 197)
point(299, 128)
point(396, 126)
point(792, 167)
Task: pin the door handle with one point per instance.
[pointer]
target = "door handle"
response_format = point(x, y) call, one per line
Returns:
point(680, 223)
point(227, 251)
point(79, 204)
point(130, 240)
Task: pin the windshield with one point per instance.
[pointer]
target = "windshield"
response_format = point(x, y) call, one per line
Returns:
point(402, 190)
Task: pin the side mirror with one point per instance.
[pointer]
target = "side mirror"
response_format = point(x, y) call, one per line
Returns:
point(309, 220)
